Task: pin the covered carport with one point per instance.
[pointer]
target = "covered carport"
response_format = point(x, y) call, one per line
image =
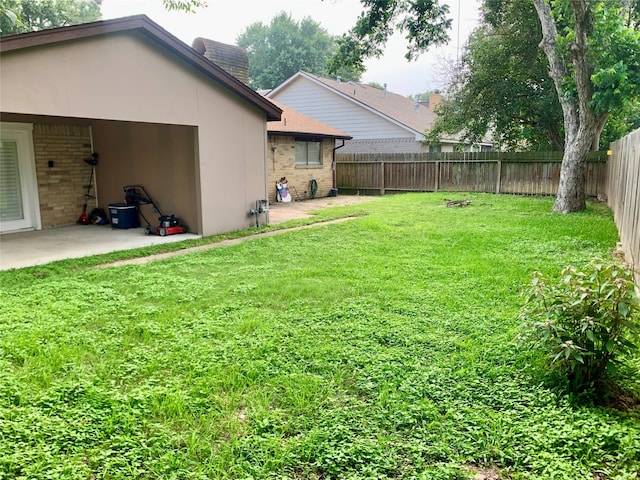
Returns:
point(159, 156)
point(155, 111)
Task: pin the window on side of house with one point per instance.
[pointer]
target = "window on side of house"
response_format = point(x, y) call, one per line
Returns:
point(435, 148)
point(308, 152)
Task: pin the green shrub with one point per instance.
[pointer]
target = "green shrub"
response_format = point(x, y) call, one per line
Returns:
point(586, 319)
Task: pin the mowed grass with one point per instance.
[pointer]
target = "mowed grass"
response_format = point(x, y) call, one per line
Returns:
point(378, 348)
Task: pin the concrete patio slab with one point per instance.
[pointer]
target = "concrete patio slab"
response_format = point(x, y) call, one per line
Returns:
point(25, 249)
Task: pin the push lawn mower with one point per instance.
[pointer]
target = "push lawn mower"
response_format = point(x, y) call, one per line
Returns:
point(169, 224)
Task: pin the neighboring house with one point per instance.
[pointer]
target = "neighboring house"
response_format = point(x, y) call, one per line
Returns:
point(156, 111)
point(302, 149)
point(378, 120)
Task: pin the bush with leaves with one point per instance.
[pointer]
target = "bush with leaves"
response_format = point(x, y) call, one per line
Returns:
point(586, 319)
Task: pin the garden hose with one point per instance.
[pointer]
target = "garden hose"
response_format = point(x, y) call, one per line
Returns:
point(313, 187)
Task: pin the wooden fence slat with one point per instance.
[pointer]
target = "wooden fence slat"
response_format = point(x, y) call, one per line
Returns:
point(623, 191)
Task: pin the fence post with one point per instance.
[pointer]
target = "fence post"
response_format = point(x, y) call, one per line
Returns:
point(381, 179)
point(499, 175)
point(437, 185)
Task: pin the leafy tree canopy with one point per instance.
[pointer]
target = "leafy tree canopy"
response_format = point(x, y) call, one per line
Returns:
point(19, 16)
point(502, 83)
point(613, 54)
point(424, 22)
point(188, 6)
point(285, 46)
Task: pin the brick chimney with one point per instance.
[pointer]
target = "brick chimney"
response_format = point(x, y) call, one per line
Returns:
point(435, 99)
point(231, 58)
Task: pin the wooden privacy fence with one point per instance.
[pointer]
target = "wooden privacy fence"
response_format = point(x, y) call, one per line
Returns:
point(623, 191)
point(531, 173)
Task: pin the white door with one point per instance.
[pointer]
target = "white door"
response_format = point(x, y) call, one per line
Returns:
point(18, 188)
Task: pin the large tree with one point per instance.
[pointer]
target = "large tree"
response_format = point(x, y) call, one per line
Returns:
point(285, 46)
point(594, 61)
point(18, 16)
point(592, 50)
point(502, 86)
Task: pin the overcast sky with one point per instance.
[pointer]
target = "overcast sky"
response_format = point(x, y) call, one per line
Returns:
point(225, 20)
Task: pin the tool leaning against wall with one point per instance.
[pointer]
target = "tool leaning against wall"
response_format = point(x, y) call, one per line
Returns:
point(93, 161)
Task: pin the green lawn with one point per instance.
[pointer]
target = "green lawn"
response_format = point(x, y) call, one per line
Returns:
point(378, 348)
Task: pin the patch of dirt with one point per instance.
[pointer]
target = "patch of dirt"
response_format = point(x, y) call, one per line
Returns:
point(623, 402)
point(483, 473)
point(458, 203)
point(283, 212)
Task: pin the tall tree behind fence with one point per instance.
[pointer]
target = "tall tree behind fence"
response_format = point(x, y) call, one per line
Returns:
point(623, 191)
point(530, 173)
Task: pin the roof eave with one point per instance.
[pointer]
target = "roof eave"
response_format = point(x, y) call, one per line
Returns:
point(289, 80)
point(289, 133)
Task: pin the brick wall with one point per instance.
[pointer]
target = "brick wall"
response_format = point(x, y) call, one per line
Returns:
point(282, 163)
point(61, 187)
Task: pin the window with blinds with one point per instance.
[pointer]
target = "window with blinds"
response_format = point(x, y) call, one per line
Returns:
point(308, 153)
point(11, 207)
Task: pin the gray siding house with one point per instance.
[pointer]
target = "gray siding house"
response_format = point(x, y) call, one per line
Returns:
point(378, 120)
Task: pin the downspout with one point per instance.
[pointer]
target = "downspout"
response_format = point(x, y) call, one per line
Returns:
point(266, 173)
point(333, 165)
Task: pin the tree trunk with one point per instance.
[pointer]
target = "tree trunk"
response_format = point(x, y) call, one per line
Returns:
point(581, 124)
point(595, 145)
point(571, 196)
point(571, 189)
